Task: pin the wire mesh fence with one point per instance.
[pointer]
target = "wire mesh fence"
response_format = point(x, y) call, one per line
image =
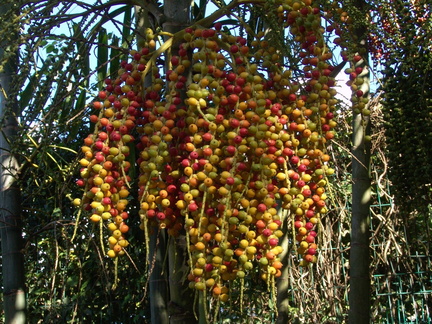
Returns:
point(401, 276)
point(405, 297)
point(402, 272)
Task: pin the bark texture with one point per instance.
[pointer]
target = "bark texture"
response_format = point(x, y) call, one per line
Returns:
point(14, 299)
point(360, 281)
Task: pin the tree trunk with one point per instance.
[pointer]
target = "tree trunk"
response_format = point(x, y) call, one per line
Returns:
point(10, 207)
point(177, 14)
point(171, 301)
point(181, 296)
point(158, 282)
point(359, 293)
point(283, 282)
point(360, 281)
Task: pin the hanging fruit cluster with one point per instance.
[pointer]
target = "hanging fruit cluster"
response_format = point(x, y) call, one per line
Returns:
point(225, 139)
point(312, 124)
point(341, 22)
point(105, 166)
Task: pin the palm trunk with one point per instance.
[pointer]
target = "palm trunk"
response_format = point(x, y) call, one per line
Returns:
point(158, 280)
point(177, 13)
point(171, 301)
point(359, 293)
point(158, 283)
point(360, 281)
point(283, 282)
point(10, 203)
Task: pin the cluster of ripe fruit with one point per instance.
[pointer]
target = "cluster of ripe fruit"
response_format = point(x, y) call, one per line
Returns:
point(225, 140)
